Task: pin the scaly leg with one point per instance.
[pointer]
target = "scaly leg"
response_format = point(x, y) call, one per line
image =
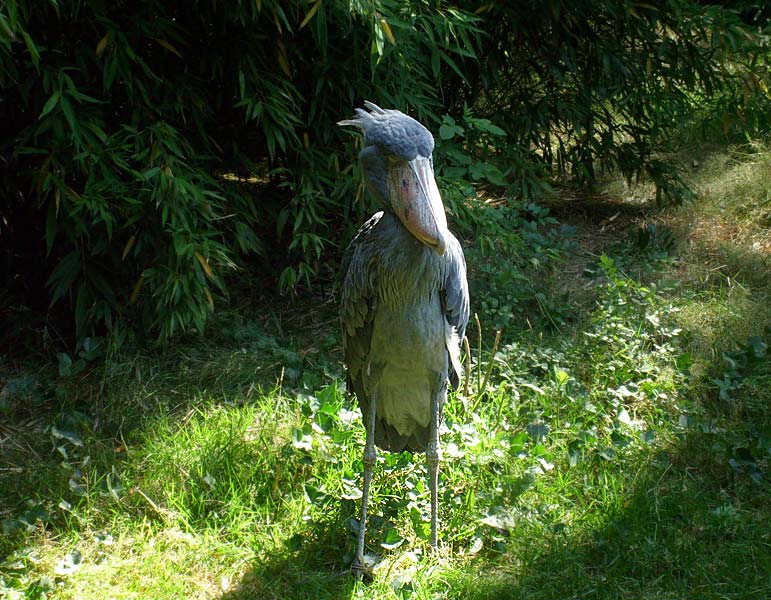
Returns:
point(370, 458)
point(432, 462)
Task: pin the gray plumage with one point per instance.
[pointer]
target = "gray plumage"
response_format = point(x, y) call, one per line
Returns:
point(405, 303)
point(404, 311)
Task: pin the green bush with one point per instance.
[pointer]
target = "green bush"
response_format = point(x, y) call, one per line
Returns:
point(149, 151)
point(591, 85)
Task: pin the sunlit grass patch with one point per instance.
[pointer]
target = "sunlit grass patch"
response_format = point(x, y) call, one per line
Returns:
point(736, 195)
point(720, 317)
point(133, 560)
point(216, 467)
point(726, 231)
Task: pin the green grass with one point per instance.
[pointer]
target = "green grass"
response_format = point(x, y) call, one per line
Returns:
point(619, 450)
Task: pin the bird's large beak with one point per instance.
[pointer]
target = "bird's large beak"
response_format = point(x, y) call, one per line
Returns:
point(416, 201)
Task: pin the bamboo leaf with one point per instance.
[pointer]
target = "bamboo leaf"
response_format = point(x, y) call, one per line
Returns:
point(70, 116)
point(452, 65)
point(98, 131)
point(387, 30)
point(49, 105)
point(378, 45)
point(7, 30)
point(282, 61)
point(64, 275)
point(137, 287)
point(102, 44)
point(72, 193)
point(110, 71)
point(33, 51)
point(205, 264)
point(127, 247)
point(310, 14)
point(209, 298)
point(168, 46)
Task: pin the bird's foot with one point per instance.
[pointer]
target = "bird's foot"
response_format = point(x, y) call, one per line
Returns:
point(361, 570)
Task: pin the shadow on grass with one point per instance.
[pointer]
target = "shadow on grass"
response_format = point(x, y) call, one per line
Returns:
point(291, 577)
point(311, 566)
point(693, 527)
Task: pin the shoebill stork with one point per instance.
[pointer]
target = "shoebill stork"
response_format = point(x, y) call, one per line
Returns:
point(405, 303)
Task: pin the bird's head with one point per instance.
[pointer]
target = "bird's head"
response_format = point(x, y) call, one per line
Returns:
point(399, 171)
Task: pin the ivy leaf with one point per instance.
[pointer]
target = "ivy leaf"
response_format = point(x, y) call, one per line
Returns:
point(538, 431)
point(65, 364)
point(391, 539)
point(302, 438)
point(63, 434)
point(69, 564)
point(502, 521)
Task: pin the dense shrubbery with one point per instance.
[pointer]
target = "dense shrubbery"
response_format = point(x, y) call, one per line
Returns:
point(582, 85)
point(147, 150)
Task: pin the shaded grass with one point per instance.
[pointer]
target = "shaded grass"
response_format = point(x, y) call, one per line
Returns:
point(602, 460)
point(677, 535)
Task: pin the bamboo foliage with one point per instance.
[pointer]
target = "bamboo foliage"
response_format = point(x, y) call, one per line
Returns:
point(152, 152)
point(128, 133)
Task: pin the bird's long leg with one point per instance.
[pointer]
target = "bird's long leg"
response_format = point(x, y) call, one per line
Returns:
point(370, 458)
point(432, 462)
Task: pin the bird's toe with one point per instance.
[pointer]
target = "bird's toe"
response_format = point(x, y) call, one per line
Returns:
point(361, 570)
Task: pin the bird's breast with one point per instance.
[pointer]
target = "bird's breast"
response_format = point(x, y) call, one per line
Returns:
point(408, 353)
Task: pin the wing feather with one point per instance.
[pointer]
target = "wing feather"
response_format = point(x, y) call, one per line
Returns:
point(357, 306)
point(456, 302)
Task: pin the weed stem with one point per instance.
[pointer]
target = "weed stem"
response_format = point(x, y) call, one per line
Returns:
point(467, 348)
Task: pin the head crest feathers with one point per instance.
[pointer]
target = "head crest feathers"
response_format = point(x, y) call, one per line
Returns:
point(364, 118)
point(392, 130)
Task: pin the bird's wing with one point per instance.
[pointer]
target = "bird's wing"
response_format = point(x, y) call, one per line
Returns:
point(357, 303)
point(455, 301)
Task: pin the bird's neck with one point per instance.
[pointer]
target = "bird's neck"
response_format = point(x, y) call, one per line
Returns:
point(412, 269)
